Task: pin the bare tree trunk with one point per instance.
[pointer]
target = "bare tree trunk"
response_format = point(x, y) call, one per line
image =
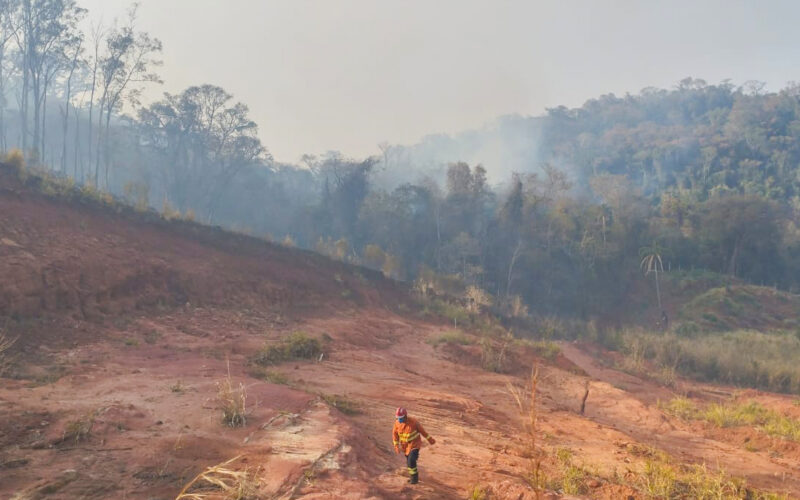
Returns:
point(77, 147)
point(585, 397)
point(438, 239)
point(97, 33)
point(66, 111)
point(2, 98)
point(23, 108)
point(36, 87)
point(658, 291)
point(99, 141)
point(106, 144)
point(44, 121)
point(514, 257)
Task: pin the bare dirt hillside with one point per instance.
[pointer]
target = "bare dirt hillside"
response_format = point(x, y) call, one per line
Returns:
point(126, 328)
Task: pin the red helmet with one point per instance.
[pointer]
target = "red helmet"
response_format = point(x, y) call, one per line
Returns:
point(401, 412)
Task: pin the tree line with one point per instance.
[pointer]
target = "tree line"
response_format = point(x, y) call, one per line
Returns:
point(709, 175)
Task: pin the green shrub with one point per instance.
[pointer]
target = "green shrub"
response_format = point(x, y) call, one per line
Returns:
point(298, 345)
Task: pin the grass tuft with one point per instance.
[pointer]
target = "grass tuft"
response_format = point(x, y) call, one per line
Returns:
point(342, 403)
point(232, 400)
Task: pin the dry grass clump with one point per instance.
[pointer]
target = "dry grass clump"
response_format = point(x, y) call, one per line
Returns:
point(221, 482)
point(298, 345)
point(232, 400)
point(79, 429)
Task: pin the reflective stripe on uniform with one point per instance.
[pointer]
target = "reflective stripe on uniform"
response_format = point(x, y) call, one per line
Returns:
point(408, 437)
point(412, 470)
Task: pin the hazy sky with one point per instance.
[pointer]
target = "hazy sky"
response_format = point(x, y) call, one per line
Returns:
point(348, 74)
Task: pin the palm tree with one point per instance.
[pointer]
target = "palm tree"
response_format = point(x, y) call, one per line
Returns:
point(652, 263)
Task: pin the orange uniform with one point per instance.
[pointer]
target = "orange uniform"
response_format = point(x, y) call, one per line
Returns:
point(408, 435)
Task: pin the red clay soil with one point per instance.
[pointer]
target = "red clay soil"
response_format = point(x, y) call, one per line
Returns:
point(126, 329)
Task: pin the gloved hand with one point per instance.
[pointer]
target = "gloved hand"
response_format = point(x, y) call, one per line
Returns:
point(431, 440)
point(396, 449)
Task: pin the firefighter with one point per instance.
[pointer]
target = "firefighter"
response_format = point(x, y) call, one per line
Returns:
point(407, 435)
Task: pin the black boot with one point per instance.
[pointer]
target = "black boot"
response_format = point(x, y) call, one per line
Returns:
point(414, 479)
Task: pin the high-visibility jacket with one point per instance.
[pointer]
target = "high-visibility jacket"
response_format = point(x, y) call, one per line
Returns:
point(407, 434)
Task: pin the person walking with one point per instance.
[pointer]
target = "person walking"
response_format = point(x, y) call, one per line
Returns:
point(407, 435)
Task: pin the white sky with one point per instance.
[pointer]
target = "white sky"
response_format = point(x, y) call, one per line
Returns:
point(348, 74)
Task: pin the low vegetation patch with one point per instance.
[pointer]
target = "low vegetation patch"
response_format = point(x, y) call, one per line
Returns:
point(298, 345)
point(745, 358)
point(453, 312)
point(571, 478)
point(268, 375)
point(737, 414)
point(543, 348)
point(342, 403)
point(733, 307)
point(659, 477)
point(455, 337)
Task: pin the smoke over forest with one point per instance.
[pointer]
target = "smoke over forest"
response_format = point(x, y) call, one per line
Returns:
point(552, 210)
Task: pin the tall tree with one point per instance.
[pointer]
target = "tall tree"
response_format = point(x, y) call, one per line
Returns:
point(127, 63)
point(8, 29)
point(203, 141)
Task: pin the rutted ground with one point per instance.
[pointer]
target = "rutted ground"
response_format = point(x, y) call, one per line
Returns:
point(126, 330)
